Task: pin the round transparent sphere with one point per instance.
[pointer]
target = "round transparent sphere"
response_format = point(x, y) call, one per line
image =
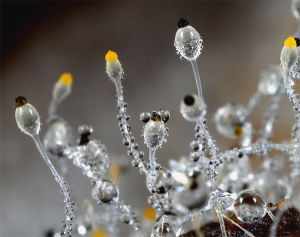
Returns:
point(188, 43)
point(249, 207)
point(57, 138)
point(270, 81)
point(105, 192)
point(28, 119)
point(230, 120)
point(162, 229)
point(155, 133)
point(192, 107)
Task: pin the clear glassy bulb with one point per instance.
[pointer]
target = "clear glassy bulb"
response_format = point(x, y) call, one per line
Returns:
point(188, 41)
point(27, 117)
point(192, 107)
point(113, 66)
point(288, 56)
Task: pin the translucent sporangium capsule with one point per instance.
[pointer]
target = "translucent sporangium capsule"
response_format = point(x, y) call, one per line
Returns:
point(155, 133)
point(27, 117)
point(288, 55)
point(188, 41)
point(58, 137)
point(113, 66)
point(192, 107)
point(62, 87)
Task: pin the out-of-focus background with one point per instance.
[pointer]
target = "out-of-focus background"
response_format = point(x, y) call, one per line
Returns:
point(41, 40)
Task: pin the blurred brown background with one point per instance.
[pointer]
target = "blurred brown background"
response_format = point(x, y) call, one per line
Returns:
point(41, 40)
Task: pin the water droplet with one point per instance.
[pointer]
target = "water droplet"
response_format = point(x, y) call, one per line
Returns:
point(249, 207)
point(105, 192)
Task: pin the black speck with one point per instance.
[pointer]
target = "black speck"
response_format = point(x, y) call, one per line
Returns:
point(189, 100)
point(182, 23)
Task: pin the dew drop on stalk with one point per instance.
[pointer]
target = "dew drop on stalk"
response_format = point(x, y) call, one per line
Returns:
point(105, 192)
point(249, 207)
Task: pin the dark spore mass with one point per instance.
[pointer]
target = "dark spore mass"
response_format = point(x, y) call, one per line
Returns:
point(189, 100)
point(297, 41)
point(182, 23)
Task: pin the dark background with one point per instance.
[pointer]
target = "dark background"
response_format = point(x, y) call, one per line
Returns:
point(41, 40)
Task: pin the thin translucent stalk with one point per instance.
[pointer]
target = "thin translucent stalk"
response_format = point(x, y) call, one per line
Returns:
point(222, 224)
point(213, 151)
point(294, 97)
point(124, 123)
point(197, 78)
point(52, 110)
point(67, 224)
point(253, 102)
point(236, 224)
point(270, 116)
point(152, 159)
point(276, 221)
point(119, 89)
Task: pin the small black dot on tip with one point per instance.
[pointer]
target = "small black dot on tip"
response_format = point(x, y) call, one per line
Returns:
point(189, 100)
point(297, 41)
point(182, 23)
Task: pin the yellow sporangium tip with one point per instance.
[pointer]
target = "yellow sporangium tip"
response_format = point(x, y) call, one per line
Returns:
point(111, 56)
point(66, 78)
point(149, 213)
point(290, 42)
point(99, 233)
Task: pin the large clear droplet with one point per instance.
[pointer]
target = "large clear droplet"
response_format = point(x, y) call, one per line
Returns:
point(249, 207)
point(230, 119)
point(57, 138)
point(154, 134)
point(270, 80)
point(188, 43)
point(105, 192)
